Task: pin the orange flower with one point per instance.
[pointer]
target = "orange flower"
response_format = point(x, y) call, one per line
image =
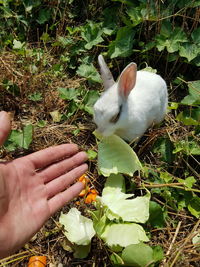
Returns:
point(84, 179)
point(91, 196)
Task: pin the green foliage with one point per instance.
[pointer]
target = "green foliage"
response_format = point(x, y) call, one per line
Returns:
point(141, 255)
point(35, 97)
point(164, 147)
point(163, 35)
point(19, 138)
point(194, 94)
point(157, 215)
point(11, 87)
point(91, 33)
point(122, 45)
point(78, 99)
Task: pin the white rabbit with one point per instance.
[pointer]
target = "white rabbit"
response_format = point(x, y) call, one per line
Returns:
point(130, 105)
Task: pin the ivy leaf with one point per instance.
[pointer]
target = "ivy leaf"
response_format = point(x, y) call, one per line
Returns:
point(135, 15)
point(189, 117)
point(156, 218)
point(35, 97)
point(158, 254)
point(196, 35)
point(122, 45)
point(68, 93)
point(194, 206)
point(110, 20)
point(165, 147)
point(89, 72)
point(89, 100)
point(20, 138)
point(187, 147)
point(44, 15)
point(172, 42)
point(194, 91)
point(91, 33)
point(188, 182)
point(189, 51)
point(91, 154)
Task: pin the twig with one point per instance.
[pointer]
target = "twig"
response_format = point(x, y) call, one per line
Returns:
point(184, 243)
point(11, 70)
point(181, 215)
point(172, 243)
point(191, 168)
point(174, 185)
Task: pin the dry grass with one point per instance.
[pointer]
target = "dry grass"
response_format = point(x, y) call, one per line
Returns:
point(180, 228)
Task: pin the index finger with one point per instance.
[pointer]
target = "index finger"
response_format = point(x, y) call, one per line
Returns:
point(47, 156)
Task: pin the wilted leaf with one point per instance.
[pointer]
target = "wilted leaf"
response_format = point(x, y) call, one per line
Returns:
point(196, 240)
point(56, 116)
point(116, 156)
point(17, 44)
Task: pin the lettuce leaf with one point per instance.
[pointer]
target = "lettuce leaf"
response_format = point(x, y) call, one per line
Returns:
point(78, 229)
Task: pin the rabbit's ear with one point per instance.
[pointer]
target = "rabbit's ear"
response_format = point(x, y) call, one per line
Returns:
point(106, 75)
point(127, 80)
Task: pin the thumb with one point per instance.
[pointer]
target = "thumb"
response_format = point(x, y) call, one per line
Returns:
point(5, 126)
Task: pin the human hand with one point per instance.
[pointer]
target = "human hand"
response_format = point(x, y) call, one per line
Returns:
point(34, 187)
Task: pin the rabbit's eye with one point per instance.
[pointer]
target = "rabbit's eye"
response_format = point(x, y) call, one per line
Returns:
point(115, 118)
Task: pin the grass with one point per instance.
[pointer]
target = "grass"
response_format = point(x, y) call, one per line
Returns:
point(40, 69)
point(180, 227)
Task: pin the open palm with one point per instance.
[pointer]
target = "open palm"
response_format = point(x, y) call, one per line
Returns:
point(34, 187)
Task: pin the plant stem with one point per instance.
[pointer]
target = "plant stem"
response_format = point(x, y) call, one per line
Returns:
point(174, 185)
